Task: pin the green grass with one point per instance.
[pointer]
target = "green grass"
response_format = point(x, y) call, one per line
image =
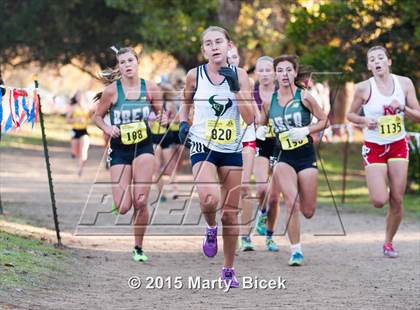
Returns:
point(15, 213)
point(357, 196)
point(56, 130)
point(331, 154)
point(27, 262)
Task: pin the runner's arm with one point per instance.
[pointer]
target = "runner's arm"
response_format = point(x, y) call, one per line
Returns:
point(263, 115)
point(69, 118)
point(156, 97)
point(243, 97)
point(412, 108)
point(155, 94)
point(105, 102)
point(310, 102)
point(358, 99)
point(187, 100)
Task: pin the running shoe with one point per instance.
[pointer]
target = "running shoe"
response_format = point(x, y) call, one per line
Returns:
point(271, 245)
point(210, 242)
point(261, 226)
point(229, 278)
point(114, 209)
point(138, 255)
point(163, 199)
point(246, 244)
point(389, 251)
point(296, 259)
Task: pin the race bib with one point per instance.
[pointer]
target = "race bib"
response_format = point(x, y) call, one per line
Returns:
point(390, 125)
point(133, 133)
point(174, 127)
point(270, 131)
point(222, 131)
point(156, 129)
point(287, 144)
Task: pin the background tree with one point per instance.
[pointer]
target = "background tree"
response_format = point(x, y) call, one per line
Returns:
point(57, 32)
point(329, 35)
point(335, 36)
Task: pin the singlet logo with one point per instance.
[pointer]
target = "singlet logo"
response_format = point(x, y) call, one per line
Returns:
point(389, 111)
point(125, 115)
point(219, 108)
point(295, 104)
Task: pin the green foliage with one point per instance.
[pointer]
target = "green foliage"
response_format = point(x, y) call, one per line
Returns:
point(171, 26)
point(414, 166)
point(332, 36)
point(259, 29)
point(54, 32)
point(356, 194)
point(335, 36)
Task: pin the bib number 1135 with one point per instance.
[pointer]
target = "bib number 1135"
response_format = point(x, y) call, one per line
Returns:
point(390, 125)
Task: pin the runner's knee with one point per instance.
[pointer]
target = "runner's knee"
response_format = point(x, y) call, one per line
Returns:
point(209, 201)
point(379, 202)
point(396, 200)
point(261, 191)
point(123, 208)
point(245, 191)
point(140, 203)
point(229, 217)
point(124, 204)
point(292, 206)
point(396, 205)
point(309, 211)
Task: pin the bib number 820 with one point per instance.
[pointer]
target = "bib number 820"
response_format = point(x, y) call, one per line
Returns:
point(221, 134)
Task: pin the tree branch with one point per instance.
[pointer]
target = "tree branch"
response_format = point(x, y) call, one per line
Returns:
point(83, 69)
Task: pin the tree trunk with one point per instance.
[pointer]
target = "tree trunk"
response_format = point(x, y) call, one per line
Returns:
point(340, 99)
point(228, 14)
point(185, 60)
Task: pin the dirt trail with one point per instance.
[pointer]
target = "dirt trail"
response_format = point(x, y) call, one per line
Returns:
point(340, 272)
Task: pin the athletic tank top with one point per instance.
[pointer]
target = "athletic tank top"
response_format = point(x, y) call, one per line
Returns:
point(176, 101)
point(82, 116)
point(257, 96)
point(247, 132)
point(256, 93)
point(216, 115)
point(390, 128)
point(128, 111)
point(297, 115)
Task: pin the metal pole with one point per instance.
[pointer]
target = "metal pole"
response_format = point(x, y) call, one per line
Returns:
point(344, 176)
point(47, 162)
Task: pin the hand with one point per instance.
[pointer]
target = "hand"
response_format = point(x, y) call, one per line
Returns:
point(261, 132)
point(231, 78)
point(113, 131)
point(396, 106)
point(298, 134)
point(370, 123)
point(184, 129)
point(163, 118)
point(305, 95)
